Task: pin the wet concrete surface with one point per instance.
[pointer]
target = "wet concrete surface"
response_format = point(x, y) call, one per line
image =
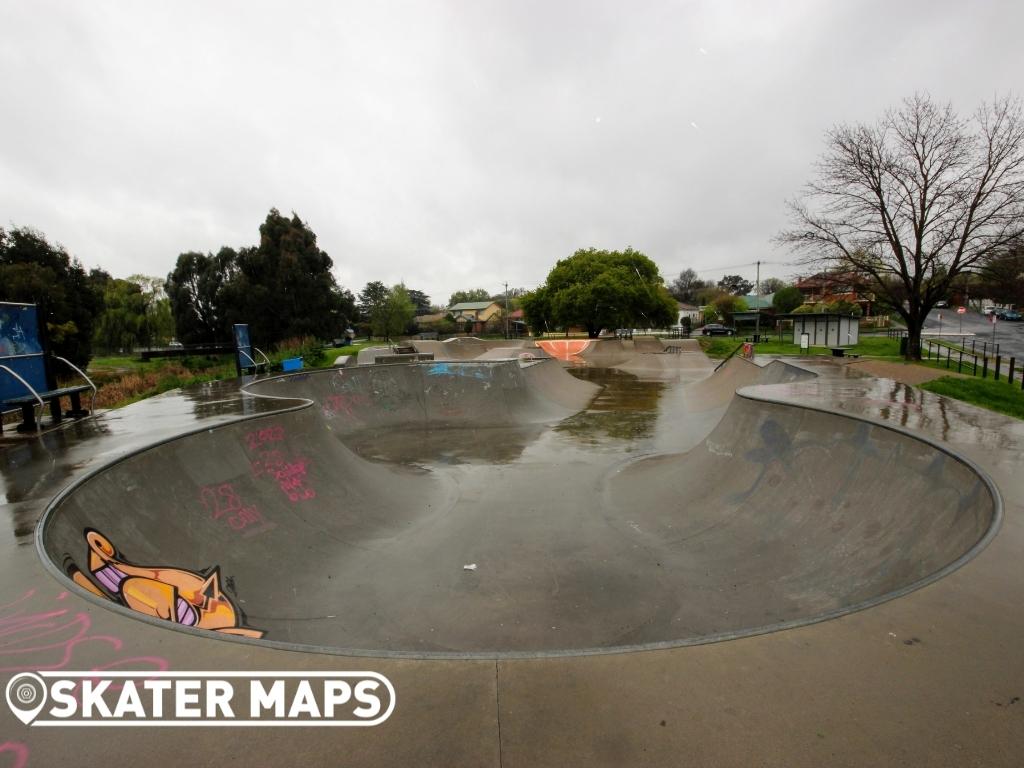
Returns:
point(926, 679)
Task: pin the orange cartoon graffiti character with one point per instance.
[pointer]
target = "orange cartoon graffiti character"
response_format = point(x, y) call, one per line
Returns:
point(173, 594)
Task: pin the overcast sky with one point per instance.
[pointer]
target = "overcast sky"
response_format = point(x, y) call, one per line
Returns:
point(461, 144)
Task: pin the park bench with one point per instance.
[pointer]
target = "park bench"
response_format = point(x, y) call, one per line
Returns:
point(26, 378)
point(838, 351)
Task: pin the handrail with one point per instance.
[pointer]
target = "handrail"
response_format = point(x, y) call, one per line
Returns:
point(42, 405)
point(266, 360)
point(80, 372)
point(255, 364)
point(729, 356)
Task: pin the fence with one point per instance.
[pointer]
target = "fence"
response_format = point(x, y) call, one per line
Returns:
point(968, 361)
point(986, 346)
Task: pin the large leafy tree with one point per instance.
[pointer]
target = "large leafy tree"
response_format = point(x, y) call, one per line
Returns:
point(420, 301)
point(283, 287)
point(913, 201)
point(772, 284)
point(601, 289)
point(787, 299)
point(473, 294)
point(69, 299)
point(1001, 277)
point(196, 292)
point(399, 311)
point(373, 307)
point(736, 285)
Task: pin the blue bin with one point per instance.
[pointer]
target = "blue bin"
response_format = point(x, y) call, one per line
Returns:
point(291, 364)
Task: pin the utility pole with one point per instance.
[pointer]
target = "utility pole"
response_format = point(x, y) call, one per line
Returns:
point(757, 294)
point(506, 310)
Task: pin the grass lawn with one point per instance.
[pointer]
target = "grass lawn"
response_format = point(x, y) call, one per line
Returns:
point(869, 346)
point(330, 355)
point(987, 393)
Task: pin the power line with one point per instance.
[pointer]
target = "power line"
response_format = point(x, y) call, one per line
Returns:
point(749, 264)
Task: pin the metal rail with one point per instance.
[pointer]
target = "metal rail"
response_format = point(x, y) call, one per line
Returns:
point(80, 372)
point(42, 405)
point(256, 365)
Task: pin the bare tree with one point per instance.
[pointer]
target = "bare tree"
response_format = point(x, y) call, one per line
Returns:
point(915, 200)
point(685, 287)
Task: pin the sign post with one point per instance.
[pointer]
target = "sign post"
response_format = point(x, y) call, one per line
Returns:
point(961, 311)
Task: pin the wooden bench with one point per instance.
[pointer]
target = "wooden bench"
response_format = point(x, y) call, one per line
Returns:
point(838, 351)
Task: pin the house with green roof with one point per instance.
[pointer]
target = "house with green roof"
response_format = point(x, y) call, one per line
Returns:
point(474, 314)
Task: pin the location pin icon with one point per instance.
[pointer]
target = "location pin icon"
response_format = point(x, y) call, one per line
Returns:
point(26, 695)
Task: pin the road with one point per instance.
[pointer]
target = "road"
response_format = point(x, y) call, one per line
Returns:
point(1009, 336)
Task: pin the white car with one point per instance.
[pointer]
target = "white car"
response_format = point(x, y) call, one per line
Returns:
point(988, 310)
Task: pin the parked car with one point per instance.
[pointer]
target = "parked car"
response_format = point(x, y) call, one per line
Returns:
point(1012, 316)
point(717, 329)
point(988, 310)
point(941, 304)
point(175, 344)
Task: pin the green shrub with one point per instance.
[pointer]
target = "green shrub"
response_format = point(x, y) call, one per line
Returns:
point(307, 347)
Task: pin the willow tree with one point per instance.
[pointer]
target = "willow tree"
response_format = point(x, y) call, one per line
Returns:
point(914, 200)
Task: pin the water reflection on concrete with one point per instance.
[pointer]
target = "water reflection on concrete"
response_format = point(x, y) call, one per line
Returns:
point(34, 467)
point(444, 447)
point(623, 414)
point(849, 390)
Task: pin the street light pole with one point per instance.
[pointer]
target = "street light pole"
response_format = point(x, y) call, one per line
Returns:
point(506, 310)
point(757, 300)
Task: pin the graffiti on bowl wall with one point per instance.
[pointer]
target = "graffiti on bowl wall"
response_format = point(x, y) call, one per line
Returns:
point(189, 598)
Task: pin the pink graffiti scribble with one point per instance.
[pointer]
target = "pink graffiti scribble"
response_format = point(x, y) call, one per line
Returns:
point(289, 471)
point(223, 502)
point(18, 750)
point(290, 474)
point(35, 635)
point(344, 403)
point(261, 437)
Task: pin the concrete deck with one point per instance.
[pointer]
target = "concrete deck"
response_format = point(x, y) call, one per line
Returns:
point(931, 677)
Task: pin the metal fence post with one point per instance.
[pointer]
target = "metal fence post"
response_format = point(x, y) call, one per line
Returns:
point(984, 367)
point(1009, 377)
point(995, 373)
point(960, 362)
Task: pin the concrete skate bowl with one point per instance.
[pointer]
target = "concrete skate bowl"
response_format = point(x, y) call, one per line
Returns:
point(443, 510)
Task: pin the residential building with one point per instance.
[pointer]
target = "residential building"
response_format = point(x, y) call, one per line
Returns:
point(474, 315)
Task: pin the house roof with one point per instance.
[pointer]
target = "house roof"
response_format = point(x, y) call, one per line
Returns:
point(470, 306)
